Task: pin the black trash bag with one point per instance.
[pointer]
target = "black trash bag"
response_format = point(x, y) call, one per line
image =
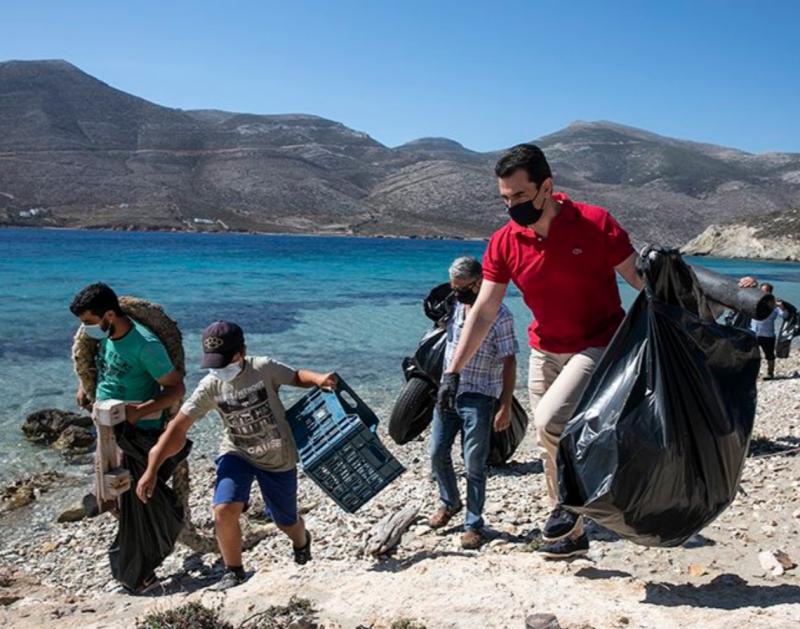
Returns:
point(439, 303)
point(429, 357)
point(504, 444)
point(656, 447)
point(147, 532)
point(790, 328)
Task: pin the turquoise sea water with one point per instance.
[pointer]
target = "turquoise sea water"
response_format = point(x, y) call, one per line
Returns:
point(349, 304)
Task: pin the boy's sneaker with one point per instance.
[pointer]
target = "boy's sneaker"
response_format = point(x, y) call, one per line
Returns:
point(303, 555)
point(229, 580)
point(559, 525)
point(566, 548)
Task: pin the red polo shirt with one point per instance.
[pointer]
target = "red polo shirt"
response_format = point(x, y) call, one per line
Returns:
point(567, 279)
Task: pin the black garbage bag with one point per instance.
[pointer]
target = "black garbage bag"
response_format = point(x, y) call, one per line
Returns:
point(429, 357)
point(438, 305)
point(655, 449)
point(790, 328)
point(147, 532)
point(504, 444)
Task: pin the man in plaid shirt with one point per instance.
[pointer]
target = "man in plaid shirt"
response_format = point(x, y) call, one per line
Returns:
point(483, 403)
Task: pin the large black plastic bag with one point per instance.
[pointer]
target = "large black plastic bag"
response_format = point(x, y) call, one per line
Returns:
point(504, 444)
point(656, 447)
point(147, 532)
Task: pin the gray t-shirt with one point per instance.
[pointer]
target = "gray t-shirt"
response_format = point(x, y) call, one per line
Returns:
point(252, 414)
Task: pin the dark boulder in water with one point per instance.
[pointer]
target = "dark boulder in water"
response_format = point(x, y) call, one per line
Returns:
point(46, 426)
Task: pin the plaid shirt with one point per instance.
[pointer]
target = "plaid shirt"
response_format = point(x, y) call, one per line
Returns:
point(484, 373)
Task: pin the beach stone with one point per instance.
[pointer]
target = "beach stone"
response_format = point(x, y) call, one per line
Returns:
point(74, 439)
point(697, 570)
point(770, 563)
point(48, 547)
point(73, 514)
point(8, 598)
point(784, 560)
point(46, 426)
point(24, 491)
point(302, 623)
point(542, 621)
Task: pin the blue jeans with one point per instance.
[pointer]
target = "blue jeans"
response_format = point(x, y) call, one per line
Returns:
point(472, 418)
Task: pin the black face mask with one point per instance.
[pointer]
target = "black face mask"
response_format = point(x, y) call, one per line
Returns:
point(466, 296)
point(526, 213)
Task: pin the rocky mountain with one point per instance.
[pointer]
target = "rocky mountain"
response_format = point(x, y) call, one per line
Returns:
point(75, 152)
point(774, 236)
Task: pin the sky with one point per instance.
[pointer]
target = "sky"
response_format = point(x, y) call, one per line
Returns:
point(487, 74)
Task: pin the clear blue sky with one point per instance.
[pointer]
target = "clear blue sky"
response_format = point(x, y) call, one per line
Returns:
point(488, 74)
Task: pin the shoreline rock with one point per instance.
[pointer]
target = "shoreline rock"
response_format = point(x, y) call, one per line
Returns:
point(69, 433)
point(24, 491)
point(774, 236)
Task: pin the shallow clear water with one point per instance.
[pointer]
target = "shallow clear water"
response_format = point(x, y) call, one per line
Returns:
point(349, 304)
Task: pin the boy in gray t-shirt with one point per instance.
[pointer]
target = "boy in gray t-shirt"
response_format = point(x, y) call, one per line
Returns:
point(257, 442)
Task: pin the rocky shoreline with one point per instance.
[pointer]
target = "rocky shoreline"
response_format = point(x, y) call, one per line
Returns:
point(334, 233)
point(739, 570)
point(774, 236)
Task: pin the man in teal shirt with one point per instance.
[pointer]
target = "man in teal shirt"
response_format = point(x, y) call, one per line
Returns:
point(132, 362)
point(133, 366)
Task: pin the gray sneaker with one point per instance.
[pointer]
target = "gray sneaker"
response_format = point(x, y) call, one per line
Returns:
point(229, 580)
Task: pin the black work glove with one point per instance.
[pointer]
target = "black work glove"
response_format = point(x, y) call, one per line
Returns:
point(448, 389)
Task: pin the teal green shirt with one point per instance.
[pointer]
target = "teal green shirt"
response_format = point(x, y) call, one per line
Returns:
point(128, 368)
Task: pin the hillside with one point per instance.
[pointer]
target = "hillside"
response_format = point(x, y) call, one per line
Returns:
point(75, 152)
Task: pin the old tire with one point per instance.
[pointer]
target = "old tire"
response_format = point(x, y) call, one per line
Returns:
point(412, 411)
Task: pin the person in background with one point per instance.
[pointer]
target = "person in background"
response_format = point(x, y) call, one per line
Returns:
point(564, 257)
point(483, 403)
point(764, 329)
point(257, 442)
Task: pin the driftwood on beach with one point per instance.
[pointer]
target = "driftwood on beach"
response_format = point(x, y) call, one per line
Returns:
point(386, 534)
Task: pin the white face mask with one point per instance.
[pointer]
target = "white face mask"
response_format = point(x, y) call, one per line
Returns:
point(95, 331)
point(226, 374)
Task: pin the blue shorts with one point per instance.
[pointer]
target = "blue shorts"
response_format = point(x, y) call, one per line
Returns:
point(279, 489)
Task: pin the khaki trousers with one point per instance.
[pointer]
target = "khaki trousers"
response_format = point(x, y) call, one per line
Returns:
point(555, 385)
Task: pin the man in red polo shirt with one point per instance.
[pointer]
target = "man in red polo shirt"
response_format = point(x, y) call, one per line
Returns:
point(563, 256)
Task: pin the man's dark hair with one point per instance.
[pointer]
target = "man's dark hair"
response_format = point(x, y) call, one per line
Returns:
point(527, 157)
point(96, 298)
point(768, 287)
